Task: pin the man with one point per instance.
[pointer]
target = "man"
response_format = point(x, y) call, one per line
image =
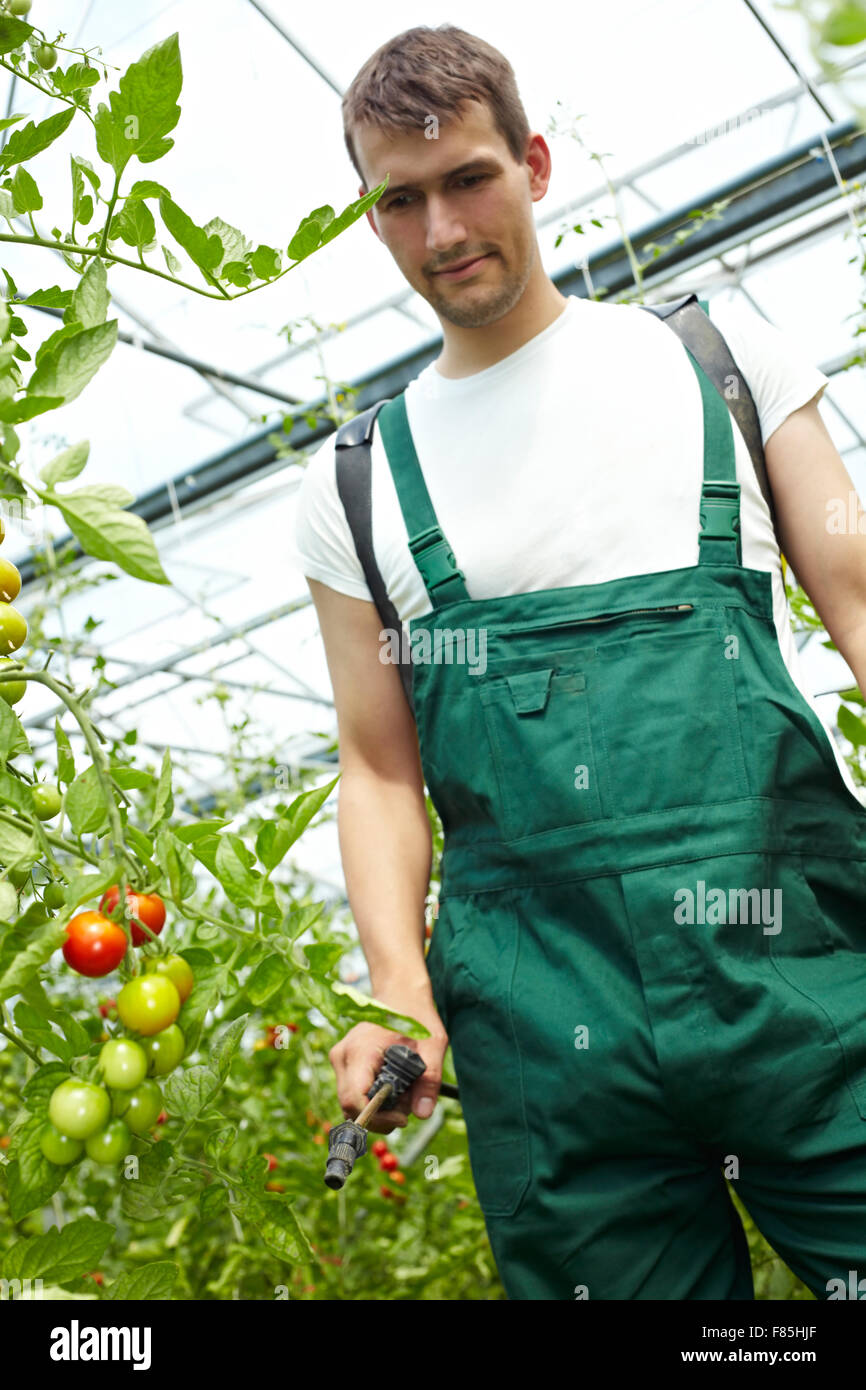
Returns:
point(650, 954)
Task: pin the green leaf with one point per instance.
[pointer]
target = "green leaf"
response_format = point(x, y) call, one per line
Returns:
point(31, 139)
point(853, 728)
point(265, 261)
point(59, 1255)
point(85, 804)
point(82, 887)
point(210, 980)
point(195, 830)
point(14, 792)
point(30, 1179)
point(82, 202)
point(164, 801)
point(321, 226)
point(15, 412)
point(289, 828)
point(153, 1281)
point(234, 243)
point(13, 33)
point(108, 533)
point(67, 371)
point(40, 948)
point(845, 25)
point(269, 976)
point(65, 760)
point(19, 849)
point(232, 871)
point(205, 251)
point(39, 1033)
point(134, 224)
point(274, 1218)
point(188, 1093)
point(225, 1045)
point(13, 739)
point(39, 1089)
point(66, 465)
point(53, 298)
point(143, 110)
point(355, 1004)
point(90, 299)
point(177, 864)
point(25, 194)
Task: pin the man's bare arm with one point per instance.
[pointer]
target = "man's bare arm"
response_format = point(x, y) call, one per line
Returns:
point(806, 474)
point(385, 840)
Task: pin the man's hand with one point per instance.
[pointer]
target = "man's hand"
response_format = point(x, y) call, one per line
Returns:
point(359, 1056)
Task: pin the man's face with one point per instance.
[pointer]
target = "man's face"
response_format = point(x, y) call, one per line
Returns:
point(436, 213)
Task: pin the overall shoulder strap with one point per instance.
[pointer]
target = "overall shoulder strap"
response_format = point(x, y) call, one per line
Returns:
point(354, 485)
point(689, 319)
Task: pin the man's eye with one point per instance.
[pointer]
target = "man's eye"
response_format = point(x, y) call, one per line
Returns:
point(467, 178)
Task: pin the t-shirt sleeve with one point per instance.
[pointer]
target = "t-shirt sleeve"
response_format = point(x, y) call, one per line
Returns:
point(323, 544)
point(778, 370)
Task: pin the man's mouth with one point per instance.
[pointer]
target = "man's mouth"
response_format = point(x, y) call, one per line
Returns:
point(462, 268)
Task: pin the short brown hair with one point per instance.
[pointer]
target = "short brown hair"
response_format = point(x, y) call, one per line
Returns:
point(426, 71)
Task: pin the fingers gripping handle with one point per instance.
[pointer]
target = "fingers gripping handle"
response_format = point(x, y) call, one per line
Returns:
point(348, 1141)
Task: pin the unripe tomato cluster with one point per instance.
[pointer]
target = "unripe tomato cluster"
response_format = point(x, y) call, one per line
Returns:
point(101, 1117)
point(13, 626)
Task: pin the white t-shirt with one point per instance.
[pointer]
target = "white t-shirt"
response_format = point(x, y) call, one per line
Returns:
point(598, 479)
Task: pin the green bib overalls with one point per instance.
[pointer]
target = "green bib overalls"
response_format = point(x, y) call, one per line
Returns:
point(650, 953)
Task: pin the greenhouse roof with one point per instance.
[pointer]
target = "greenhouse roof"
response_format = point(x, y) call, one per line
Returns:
point(681, 99)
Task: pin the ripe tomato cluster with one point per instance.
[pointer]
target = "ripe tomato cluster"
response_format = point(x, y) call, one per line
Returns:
point(389, 1163)
point(95, 944)
point(100, 1117)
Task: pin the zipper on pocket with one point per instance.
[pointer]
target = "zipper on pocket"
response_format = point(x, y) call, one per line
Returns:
point(602, 618)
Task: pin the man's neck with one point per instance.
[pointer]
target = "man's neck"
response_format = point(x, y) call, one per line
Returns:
point(466, 351)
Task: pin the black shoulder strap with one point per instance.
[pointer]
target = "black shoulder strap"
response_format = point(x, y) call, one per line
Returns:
point(354, 484)
point(694, 327)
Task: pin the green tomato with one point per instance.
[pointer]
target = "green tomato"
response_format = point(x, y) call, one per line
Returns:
point(46, 800)
point(18, 876)
point(79, 1108)
point(53, 895)
point(124, 1064)
point(111, 1144)
point(164, 1051)
point(177, 969)
point(11, 691)
point(139, 1108)
point(19, 7)
point(148, 1003)
point(46, 57)
point(59, 1148)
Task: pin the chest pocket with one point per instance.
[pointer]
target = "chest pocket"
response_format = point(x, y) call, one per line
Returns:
point(540, 734)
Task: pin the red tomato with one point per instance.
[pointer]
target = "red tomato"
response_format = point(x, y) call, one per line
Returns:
point(146, 908)
point(379, 1148)
point(398, 1177)
point(272, 1162)
point(94, 946)
point(388, 1162)
point(386, 1192)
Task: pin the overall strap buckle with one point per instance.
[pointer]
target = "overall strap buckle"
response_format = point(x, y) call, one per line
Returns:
point(720, 509)
point(720, 514)
point(436, 562)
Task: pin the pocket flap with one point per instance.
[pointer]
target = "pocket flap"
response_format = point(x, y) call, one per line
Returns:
point(530, 689)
